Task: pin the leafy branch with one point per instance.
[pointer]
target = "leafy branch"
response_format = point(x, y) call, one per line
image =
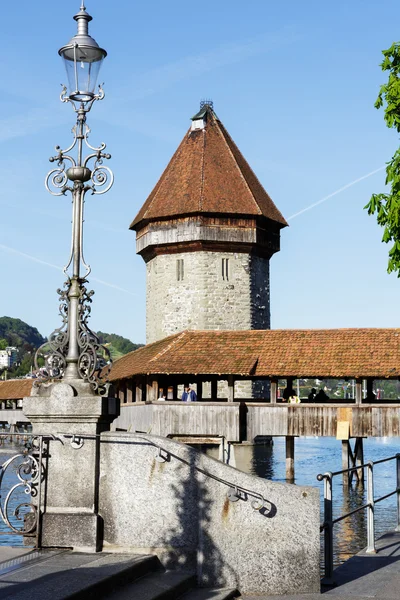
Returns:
point(387, 206)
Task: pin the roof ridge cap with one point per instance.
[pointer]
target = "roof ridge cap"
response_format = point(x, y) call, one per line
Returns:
point(222, 133)
point(168, 346)
point(202, 175)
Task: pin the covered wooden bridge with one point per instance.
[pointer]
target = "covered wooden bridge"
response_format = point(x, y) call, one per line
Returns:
point(11, 394)
point(207, 358)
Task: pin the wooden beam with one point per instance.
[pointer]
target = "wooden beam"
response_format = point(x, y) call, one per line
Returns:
point(139, 391)
point(150, 397)
point(122, 392)
point(358, 391)
point(273, 390)
point(214, 390)
point(129, 391)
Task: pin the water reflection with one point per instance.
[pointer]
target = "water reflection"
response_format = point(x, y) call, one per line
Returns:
point(318, 455)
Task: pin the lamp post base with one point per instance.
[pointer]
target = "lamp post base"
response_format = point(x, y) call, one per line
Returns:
point(75, 417)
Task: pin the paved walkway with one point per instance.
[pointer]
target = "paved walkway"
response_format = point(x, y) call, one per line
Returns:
point(362, 577)
point(10, 552)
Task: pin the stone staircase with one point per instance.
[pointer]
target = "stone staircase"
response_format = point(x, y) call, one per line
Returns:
point(62, 575)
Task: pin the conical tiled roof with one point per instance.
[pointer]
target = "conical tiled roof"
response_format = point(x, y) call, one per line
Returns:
point(208, 175)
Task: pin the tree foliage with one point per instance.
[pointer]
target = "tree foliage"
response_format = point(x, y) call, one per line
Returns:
point(17, 333)
point(119, 343)
point(387, 206)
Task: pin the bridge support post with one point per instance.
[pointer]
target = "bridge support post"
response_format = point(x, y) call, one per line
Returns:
point(359, 456)
point(346, 460)
point(353, 458)
point(290, 458)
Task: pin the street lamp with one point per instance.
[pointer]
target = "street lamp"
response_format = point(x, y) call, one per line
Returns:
point(73, 352)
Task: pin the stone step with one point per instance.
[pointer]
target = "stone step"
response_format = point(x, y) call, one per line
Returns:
point(210, 594)
point(162, 585)
point(77, 576)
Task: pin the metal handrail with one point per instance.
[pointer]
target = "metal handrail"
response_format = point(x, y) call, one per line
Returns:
point(235, 492)
point(329, 522)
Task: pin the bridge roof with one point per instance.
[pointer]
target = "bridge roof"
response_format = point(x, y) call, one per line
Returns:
point(15, 389)
point(335, 353)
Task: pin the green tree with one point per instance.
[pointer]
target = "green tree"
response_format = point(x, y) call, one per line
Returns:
point(3, 344)
point(24, 368)
point(120, 344)
point(387, 206)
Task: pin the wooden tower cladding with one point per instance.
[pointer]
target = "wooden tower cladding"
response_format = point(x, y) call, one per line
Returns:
point(207, 232)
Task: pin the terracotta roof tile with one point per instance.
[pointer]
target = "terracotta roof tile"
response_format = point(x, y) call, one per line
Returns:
point(286, 353)
point(208, 174)
point(14, 389)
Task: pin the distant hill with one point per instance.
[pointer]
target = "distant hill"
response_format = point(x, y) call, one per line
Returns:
point(20, 334)
point(14, 332)
point(117, 345)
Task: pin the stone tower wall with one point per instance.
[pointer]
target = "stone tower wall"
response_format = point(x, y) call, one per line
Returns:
point(207, 293)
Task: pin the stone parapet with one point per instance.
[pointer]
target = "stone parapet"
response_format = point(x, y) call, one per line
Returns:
point(166, 498)
point(75, 417)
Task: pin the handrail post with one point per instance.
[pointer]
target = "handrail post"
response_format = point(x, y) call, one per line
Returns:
point(328, 530)
point(398, 490)
point(370, 509)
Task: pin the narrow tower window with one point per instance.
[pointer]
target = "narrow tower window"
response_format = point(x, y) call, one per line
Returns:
point(179, 269)
point(225, 269)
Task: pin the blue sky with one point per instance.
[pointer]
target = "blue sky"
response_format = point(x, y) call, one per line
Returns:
point(293, 82)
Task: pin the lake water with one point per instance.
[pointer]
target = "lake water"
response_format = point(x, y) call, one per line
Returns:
point(319, 455)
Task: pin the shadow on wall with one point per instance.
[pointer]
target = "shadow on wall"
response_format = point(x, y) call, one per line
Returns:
point(193, 504)
point(195, 508)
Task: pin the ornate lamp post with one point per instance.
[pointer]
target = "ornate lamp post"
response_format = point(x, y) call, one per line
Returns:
point(75, 351)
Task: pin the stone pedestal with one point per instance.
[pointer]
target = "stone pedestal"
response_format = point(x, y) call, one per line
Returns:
point(75, 416)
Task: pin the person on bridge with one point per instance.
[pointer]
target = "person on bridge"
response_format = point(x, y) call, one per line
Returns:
point(312, 394)
point(189, 395)
point(321, 396)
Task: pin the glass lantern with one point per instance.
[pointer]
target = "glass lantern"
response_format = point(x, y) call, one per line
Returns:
point(82, 58)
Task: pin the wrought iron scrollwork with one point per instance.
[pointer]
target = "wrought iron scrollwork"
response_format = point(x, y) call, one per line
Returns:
point(101, 176)
point(22, 518)
point(94, 362)
point(54, 351)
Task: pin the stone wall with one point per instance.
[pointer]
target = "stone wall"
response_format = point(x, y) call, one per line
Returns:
point(184, 515)
point(204, 297)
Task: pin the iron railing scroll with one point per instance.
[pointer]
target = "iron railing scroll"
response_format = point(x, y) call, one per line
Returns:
point(22, 476)
point(329, 521)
